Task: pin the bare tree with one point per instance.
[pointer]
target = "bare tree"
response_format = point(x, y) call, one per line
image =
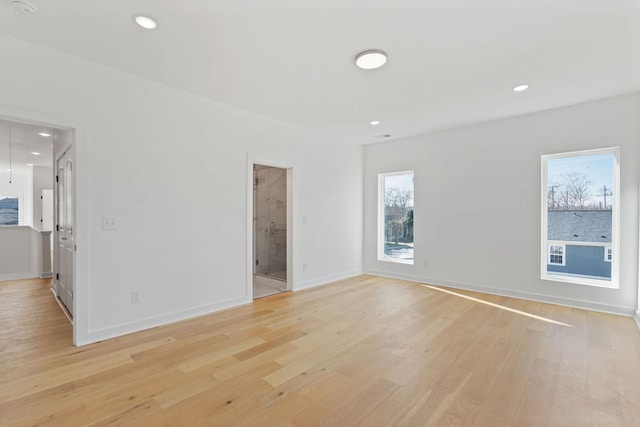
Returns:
point(397, 201)
point(578, 187)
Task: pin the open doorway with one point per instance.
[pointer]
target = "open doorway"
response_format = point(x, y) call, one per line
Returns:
point(30, 155)
point(270, 209)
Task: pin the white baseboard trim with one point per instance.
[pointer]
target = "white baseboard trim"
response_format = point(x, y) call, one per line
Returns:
point(326, 280)
point(587, 305)
point(152, 322)
point(637, 318)
point(116, 331)
point(46, 275)
point(18, 276)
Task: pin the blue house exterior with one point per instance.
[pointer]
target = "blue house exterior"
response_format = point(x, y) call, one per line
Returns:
point(579, 243)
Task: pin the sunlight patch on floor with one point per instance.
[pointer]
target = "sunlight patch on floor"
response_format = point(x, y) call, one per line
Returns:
point(502, 307)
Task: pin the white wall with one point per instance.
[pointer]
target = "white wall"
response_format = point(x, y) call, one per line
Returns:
point(42, 180)
point(477, 201)
point(171, 167)
point(20, 253)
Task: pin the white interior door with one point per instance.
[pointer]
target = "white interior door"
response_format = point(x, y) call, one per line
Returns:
point(65, 228)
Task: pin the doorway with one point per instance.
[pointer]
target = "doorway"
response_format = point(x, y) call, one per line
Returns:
point(269, 230)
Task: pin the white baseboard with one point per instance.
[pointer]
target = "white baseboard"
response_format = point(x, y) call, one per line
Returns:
point(18, 276)
point(46, 275)
point(587, 305)
point(152, 322)
point(326, 280)
point(637, 318)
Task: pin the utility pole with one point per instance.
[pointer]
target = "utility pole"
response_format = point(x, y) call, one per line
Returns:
point(605, 193)
point(553, 196)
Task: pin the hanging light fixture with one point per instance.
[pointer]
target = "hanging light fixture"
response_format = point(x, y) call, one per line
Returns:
point(10, 155)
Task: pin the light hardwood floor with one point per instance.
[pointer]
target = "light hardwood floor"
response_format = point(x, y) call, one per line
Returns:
point(365, 351)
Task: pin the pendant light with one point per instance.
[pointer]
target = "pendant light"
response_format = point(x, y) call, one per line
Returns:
point(10, 155)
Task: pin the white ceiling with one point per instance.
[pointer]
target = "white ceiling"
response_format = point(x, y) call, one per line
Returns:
point(451, 62)
point(17, 143)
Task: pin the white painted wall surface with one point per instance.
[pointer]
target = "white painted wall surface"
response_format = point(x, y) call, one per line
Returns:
point(171, 168)
point(20, 253)
point(42, 180)
point(477, 201)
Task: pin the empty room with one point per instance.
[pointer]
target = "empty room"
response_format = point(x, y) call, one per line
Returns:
point(354, 213)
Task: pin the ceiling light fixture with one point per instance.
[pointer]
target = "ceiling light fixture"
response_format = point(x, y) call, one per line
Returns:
point(35, 153)
point(374, 122)
point(29, 164)
point(520, 88)
point(371, 59)
point(10, 170)
point(23, 7)
point(45, 134)
point(145, 22)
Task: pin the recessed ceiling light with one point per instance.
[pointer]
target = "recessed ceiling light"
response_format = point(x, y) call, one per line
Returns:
point(520, 88)
point(145, 22)
point(371, 59)
point(35, 153)
point(29, 164)
point(374, 122)
point(44, 134)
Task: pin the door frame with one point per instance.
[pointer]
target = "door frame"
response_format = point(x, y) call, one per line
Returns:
point(249, 245)
point(77, 128)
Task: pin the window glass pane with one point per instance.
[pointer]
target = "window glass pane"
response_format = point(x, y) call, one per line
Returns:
point(397, 238)
point(580, 198)
point(8, 210)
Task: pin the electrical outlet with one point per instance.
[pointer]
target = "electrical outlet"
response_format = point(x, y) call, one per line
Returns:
point(109, 223)
point(135, 297)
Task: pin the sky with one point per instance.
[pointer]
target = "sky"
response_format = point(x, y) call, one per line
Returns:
point(401, 181)
point(599, 168)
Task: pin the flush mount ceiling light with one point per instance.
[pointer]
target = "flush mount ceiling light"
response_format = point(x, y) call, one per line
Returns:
point(374, 122)
point(45, 134)
point(371, 59)
point(520, 88)
point(35, 153)
point(23, 7)
point(145, 22)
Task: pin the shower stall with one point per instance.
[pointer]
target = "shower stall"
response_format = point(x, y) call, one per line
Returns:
point(269, 230)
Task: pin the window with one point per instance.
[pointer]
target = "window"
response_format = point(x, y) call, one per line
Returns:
point(556, 255)
point(395, 217)
point(9, 210)
point(580, 217)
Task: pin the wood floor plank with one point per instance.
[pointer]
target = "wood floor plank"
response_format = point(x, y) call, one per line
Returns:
point(365, 351)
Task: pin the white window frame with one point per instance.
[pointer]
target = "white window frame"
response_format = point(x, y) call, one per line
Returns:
point(564, 253)
point(614, 281)
point(608, 254)
point(381, 217)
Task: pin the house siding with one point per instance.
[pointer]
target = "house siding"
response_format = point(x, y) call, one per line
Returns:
point(584, 261)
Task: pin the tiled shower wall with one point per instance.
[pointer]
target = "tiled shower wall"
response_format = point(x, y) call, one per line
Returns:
point(270, 221)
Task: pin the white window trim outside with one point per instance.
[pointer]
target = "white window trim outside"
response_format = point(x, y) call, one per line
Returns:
point(381, 217)
point(564, 254)
point(607, 251)
point(614, 282)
